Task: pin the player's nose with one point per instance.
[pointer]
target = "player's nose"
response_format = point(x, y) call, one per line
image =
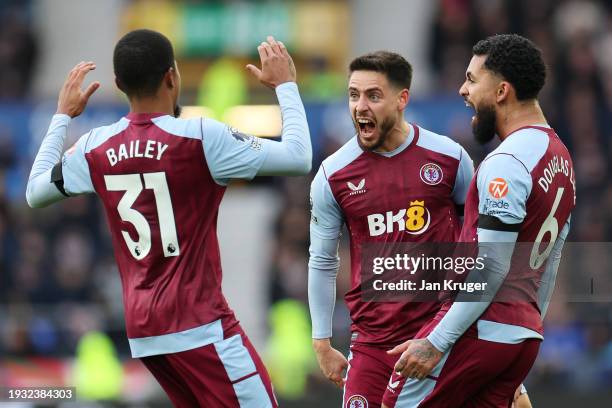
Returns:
point(463, 90)
point(362, 104)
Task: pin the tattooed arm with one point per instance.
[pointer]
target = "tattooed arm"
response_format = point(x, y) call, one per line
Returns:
point(418, 358)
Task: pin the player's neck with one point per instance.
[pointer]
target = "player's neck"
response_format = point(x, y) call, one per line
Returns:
point(153, 104)
point(397, 136)
point(519, 115)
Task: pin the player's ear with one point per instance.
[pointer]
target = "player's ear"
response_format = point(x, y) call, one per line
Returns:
point(170, 78)
point(118, 83)
point(504, 89)
point(403, 98)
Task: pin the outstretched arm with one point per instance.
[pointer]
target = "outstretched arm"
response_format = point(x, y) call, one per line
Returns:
point(231, 154)
point(293, 155)
point(325, 224)
point(41, 189)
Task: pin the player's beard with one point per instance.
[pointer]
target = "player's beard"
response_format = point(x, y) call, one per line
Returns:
point(484, 124)
point(177, 110)
point(385, 128)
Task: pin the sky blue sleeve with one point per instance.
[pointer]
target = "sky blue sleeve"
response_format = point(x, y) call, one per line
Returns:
point(325, 225)
point(229, 153)
point(326, 217)
point(549, 276)
point(495, 248)
point(322, 271)
point(504, 185)
point(40, 190)
point(292, 156)
point(465, 172)
point(75, 169)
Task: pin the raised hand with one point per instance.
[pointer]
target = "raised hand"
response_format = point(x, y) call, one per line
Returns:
point(72, 99)
point(276, 64)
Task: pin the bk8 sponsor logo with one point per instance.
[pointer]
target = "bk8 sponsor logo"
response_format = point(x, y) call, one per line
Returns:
point(414, 220)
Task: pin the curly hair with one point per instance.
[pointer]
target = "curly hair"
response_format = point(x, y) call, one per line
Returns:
point(517, 60)
point(395, 67)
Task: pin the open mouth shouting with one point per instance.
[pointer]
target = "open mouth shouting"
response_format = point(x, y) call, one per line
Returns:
point(471, 106)
point(366, 126)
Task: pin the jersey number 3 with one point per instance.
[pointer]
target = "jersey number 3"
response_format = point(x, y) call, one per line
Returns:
point(132, 185)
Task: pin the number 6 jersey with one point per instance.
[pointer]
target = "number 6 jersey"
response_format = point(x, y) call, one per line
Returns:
point(161, 180)
point(526, 185)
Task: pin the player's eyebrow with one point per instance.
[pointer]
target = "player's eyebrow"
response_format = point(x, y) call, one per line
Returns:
point(371, 89)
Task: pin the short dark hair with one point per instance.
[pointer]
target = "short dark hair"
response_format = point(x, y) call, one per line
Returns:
point(140, 60)
point(517, 60)
point(395, 67)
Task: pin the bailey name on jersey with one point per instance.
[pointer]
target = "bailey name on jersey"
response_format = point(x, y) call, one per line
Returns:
point(152, 150)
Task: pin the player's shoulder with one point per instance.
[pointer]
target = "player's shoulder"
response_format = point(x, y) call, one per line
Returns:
point(344, 156)
point(191, 128)
point(439, 143)
point(526, 146)
point(97, 136)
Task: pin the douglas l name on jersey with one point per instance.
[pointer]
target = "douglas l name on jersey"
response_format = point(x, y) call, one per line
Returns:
point(556, 165)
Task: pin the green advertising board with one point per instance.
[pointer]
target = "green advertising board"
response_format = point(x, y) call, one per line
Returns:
point(231, 29)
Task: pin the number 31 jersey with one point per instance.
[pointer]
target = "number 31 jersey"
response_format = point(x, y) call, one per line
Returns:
point(526, 185)
point(161, 181)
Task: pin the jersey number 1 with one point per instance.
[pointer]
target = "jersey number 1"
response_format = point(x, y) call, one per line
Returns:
point(132, 185)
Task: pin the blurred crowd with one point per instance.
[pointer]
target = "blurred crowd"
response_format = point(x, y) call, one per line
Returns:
point(58, 279)
point(18, 50)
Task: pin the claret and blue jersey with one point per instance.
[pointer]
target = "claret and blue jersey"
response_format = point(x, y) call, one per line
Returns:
point(412, 194)
point(527, 185)
point(522, 195)
point(523, 192)
point(161, 180)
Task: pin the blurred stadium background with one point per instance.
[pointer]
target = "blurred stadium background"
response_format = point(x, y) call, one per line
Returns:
point(60, 301)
